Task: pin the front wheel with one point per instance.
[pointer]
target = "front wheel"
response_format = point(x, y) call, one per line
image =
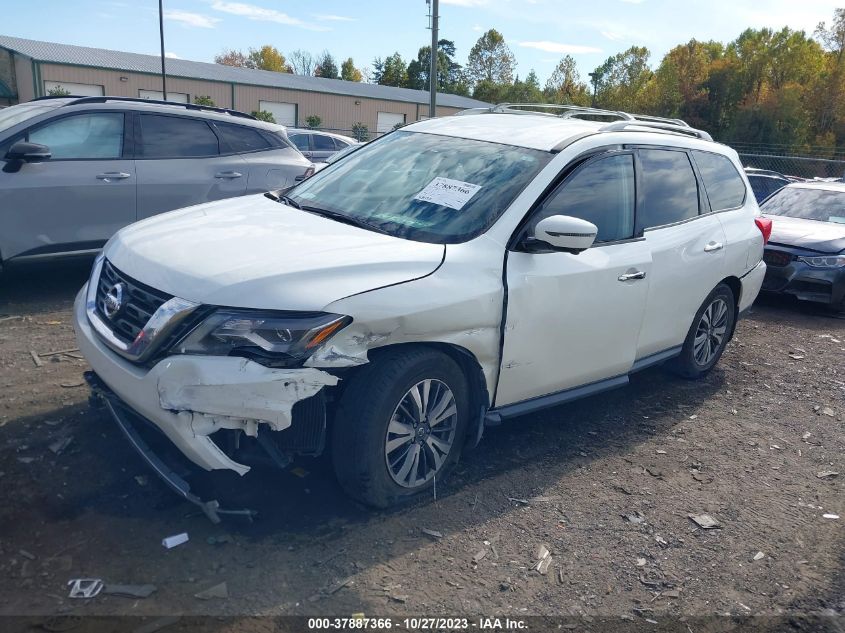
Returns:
point(400, 425)
point(708, 336)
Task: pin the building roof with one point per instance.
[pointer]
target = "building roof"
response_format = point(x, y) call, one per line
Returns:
point(135, 62)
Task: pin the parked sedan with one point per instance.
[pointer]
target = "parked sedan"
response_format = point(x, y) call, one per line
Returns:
point(806, 253)
point(319, 146)
point(764, 183)
point(73, 171)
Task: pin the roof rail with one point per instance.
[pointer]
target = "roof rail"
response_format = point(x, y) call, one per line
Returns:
point(187, 106)
point(623, 122)
point(674, 128)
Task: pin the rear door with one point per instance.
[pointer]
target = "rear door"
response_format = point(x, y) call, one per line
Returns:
point(179, 164)
point(687, 245)
point(323, 147)
point(302, 140)
point(80, 197)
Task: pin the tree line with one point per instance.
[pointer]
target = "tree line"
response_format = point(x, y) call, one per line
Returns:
point(776, 90)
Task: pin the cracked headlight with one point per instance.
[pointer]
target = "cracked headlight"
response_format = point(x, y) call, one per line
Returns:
point(826, 261)
point(267, 337)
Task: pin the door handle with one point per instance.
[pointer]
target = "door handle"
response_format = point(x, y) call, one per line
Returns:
point(713, 246)
point(228, 174)
point(113, 175)
point(639, 274)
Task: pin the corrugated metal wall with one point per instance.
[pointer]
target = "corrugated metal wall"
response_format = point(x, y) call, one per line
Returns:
point(335, 111)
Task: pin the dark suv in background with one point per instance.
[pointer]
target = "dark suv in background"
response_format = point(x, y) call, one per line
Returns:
point(74, 170)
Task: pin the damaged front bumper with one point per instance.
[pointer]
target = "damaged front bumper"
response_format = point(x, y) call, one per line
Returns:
point(191, 397)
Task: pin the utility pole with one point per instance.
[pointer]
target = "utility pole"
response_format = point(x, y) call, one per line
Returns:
point(432, 73)
point(161, 35)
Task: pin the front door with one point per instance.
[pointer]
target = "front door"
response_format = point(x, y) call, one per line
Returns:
point(575, 319)
point(76, 200)
point(180, 164)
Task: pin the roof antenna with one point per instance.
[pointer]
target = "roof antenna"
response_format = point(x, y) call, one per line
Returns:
point(161, 35)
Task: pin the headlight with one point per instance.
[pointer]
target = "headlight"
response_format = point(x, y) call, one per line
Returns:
point(826, 261)
point(270, 338)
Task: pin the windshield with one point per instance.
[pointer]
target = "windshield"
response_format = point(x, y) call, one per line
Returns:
point(423, 187)
point(811, 204)
point(20, 113)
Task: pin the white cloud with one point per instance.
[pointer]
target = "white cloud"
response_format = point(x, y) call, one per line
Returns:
point(190, 19)
point(170, 55)
point(478, 28)
point(333, 18)
point(612, 35)
point(261, 14)
point(557, 47)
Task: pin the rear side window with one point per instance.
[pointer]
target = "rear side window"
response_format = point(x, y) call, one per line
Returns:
point(97, 135)
point(669, 188)
point(601, 192)
point(722, 182)
point(323, 143)
point(240, 138)
point(301, 142)
point(176, 137)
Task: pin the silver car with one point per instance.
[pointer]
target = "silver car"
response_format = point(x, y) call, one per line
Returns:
point(75, 170)
point(319, 146)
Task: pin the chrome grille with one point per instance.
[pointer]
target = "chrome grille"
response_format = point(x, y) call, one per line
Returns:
point(140, 303)
point(776, 258)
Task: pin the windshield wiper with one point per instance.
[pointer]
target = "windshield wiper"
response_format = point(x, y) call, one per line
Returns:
point(341, 217)
point(290, 202)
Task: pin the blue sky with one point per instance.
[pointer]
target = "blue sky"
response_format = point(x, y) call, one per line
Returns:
point(539, 32)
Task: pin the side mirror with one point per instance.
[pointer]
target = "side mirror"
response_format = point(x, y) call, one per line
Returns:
point(565, 233)
point(28, 152)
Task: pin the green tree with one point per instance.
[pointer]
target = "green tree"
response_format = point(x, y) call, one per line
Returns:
point(360, 132)
point(621, 78)
point(348, 72)
point(326, 66)
point(450, 76)
point(565, 85)
point(263, 115)
point(313, 121)
point(58, 91)
point(490, 60)
point(392, 71)
point(204, 100)
point(527, 91)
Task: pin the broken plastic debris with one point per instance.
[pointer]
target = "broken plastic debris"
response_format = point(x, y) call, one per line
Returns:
point(828, 411)
point(705, 521)
point(827, 473)
point(830, 515)
point(177, 539)
point(432, 533)
point(759, 556)
point(220, 591)
point(84, 587)
point(544, 560)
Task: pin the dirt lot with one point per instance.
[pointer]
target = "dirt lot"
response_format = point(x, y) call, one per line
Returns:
point(607, 484)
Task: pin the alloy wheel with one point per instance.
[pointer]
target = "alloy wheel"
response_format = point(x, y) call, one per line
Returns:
point(421, 433)
point(711, 331)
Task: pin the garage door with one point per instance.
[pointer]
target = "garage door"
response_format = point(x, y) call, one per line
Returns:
point(158, 95)
point(389, 120)
point(77, 90)
point(284, 113)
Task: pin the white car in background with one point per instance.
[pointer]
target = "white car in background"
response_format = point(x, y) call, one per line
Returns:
point(435, 281)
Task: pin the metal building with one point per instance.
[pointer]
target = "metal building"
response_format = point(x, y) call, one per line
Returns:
point(30, 69)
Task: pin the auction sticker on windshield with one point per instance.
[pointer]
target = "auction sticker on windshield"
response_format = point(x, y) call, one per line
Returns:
point(448, 193)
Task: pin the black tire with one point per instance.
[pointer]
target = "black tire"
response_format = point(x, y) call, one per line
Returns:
point(369, 400)
point(686, 364)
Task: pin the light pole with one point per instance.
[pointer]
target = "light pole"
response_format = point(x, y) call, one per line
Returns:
point(432, 73)
point(161, 35)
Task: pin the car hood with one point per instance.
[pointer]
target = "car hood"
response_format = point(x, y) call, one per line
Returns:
point(255, 252)
point(824, 237)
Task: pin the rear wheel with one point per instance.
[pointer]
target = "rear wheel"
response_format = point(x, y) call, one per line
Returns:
point(400, 425)
point(708, 336)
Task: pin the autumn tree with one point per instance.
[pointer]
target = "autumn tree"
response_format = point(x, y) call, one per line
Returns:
point(565, 85)
point(231, 57)
point(348, 72)
point(267, 58)
point(621, 78)
point(302, 62)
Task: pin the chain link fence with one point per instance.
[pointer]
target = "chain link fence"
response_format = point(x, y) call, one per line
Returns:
point(805, 167)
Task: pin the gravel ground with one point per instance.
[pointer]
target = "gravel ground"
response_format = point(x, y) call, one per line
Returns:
point(607, 485)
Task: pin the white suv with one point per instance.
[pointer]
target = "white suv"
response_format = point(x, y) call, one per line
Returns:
point(435, 281)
